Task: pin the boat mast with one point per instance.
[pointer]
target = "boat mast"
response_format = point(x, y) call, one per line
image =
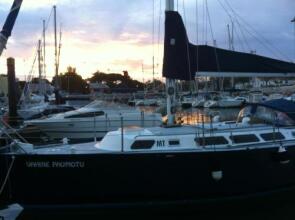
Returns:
point(59, 49)
point(56, 81)
point(170, 83)
point(44, 49)
point(55, 41)
point(40, 67)
point(9, 23)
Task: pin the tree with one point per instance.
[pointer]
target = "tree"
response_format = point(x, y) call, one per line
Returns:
point(72, 82)
point(116, 80)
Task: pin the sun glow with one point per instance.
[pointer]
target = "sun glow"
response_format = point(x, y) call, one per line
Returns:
point(110, 56)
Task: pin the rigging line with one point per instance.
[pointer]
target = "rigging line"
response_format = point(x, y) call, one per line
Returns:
point(271, 50)
point(257, 33)
point(248, 31)
point(240, 40)
point(153, 42)
point(187, 45)
point(244, 36)
point(231, 17)
point(184, 14)
point(34, 61)
point(7, 175)
point(159, 35)
point(197, 22)
point(49, 18)
point(197, 35)
point(206, 22)
point(30, 74)
point(203, 34)
point(212, 35)
point(253, 35)
point(153, 27)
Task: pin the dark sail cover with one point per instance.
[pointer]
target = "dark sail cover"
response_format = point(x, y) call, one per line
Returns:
point(183, 59)
point(10, 20)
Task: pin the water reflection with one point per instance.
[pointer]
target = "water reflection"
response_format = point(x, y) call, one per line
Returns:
point(193, 115)
point(198, 115)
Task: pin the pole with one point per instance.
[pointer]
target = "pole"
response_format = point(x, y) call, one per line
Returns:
point(153, 45)
point(12, 101)
point(232, 36)
point(170, 83)
point(44, 49)
point(55, 41)
point(293, 21)
point(39, 67)
point(56, 82)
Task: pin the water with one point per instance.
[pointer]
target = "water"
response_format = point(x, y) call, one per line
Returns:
point(199, 115)
point(194, 115)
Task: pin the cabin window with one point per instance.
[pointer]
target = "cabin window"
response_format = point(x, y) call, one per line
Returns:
point(248, 138)
point(142, 144)
point(173, 142)
point(272, 136)
point(86, 115)
point(218, 140)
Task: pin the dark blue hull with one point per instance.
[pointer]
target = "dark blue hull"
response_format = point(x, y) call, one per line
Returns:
point(150, 179)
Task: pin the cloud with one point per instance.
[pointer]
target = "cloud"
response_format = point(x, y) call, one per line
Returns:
point(117, 34)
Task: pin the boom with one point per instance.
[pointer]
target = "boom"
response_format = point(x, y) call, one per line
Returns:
point(9, 23)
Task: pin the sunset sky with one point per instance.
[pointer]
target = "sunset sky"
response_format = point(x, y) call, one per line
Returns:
point(117, 35)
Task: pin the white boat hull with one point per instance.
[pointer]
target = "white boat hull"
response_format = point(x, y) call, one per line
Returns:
point(90, 128)
point(230, 103)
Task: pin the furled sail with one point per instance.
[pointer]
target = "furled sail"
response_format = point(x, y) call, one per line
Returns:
point(183, 59)
point(9, 23)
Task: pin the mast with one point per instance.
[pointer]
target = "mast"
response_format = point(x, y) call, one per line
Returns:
point(40, 67)
point(56, 82)
point(232, 36)
point(44, 49)
point(153, 45)
point(59, 49)
point(170, 83)
point(9, 23)
point(55, 48)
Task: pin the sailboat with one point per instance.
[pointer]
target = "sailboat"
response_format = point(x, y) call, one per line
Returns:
point(237, 163)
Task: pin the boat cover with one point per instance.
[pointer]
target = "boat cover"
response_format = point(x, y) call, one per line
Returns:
point(183, 59)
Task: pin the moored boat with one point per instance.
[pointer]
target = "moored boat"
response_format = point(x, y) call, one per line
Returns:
point(242, 162)
point(93, 121)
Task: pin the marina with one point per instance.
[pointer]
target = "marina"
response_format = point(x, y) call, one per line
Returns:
point(215, 132)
